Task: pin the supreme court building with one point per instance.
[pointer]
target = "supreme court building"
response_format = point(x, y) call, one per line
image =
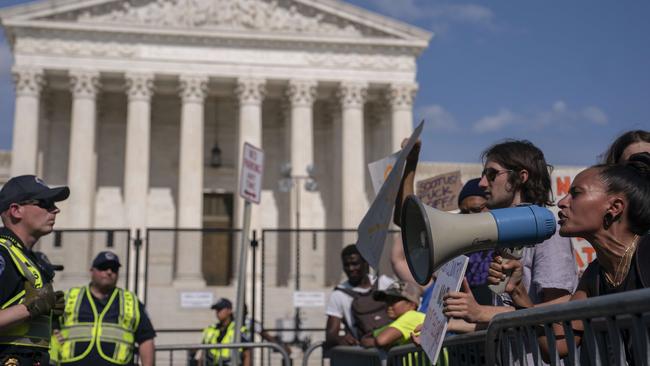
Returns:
point(142, 107)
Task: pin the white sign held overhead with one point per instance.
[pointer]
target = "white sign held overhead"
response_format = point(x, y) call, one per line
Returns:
point(380, 169)
point(374, 226)
point(450, 277)
point(252, 172)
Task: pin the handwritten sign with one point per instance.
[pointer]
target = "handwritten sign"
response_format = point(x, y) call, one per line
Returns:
point(373, 228)
point(252, 171)
point(450, 277)
point(441, 191)
point(380, 169)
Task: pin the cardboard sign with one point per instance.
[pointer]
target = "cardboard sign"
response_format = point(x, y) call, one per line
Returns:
point(252, 172)
point(441, 191)
point(450, 277)
point(380, 169)
point(374, 226)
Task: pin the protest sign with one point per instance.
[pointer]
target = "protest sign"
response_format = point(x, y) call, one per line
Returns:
point(450, 277)
point(380, 169)
point(374, 226)
point(441, 191)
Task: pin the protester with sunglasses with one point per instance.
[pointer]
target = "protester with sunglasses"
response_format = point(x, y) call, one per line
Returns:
point(102, 323)
point(27, 299)
point(516, 172)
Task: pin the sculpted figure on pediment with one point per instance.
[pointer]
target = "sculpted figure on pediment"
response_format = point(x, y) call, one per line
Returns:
point(274, 15)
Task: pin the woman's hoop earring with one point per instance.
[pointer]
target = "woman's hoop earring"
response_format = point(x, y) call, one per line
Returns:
point(608, 219)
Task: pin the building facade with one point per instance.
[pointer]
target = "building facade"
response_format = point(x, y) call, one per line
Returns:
point(142, 107)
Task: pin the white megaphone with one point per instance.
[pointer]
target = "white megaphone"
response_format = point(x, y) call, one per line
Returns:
point(431, 237)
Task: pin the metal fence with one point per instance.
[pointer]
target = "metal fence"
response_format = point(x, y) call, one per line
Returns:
point(187, 351)
point(615, 332)
point(83, 245)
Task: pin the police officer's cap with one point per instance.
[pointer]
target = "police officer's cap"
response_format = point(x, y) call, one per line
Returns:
point(106, 257)
point(29, 187)
point(222, 303)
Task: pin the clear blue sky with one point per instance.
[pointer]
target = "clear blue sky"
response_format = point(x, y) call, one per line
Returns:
point(567, 75)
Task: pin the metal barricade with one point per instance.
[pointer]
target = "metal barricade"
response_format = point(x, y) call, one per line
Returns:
point(615, 332)
point(286, 361)
point(466, 349)
point(309, 351)
point(406, 355)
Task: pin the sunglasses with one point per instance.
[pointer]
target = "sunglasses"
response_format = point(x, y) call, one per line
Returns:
point(106, 266)
point(491, 174)
point(48, 205)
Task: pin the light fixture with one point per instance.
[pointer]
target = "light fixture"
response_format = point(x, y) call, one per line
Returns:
point(215, 156)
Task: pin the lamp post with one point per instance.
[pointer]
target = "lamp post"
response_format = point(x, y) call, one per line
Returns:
point(286, 184)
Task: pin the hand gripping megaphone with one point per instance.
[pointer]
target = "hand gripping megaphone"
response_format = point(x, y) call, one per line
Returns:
point(431, 237)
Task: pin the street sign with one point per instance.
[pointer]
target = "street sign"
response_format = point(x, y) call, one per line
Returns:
point(252, 172)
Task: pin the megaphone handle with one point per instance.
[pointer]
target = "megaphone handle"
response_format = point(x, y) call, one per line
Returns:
point(506, 256)
point(501, 287)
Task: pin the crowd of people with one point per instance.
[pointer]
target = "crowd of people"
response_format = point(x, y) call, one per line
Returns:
point(608, 205)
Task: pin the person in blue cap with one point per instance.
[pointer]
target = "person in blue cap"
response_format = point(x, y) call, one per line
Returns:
point(223, 332)
point(27, 298)
point(102, 323)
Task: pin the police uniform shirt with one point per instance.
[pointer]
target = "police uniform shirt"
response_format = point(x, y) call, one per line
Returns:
point(11, 283)
point(143, 333)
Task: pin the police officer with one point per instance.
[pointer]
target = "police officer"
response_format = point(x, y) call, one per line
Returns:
point(27, 299)
point(223, 332)
point(102, 323)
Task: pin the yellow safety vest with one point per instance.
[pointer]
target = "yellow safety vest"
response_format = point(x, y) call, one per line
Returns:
point(34, 332)
point(120, 334)
point(212, 334)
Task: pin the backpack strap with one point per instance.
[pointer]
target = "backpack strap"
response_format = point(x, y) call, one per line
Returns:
point(353, 294)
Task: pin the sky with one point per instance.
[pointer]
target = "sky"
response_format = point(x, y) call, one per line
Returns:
point(570, 76)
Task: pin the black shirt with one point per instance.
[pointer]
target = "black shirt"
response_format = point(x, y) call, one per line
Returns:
point(143, 333)
point(12, 283)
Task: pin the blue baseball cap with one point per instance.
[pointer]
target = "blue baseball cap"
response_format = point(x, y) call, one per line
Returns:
point(106, 257)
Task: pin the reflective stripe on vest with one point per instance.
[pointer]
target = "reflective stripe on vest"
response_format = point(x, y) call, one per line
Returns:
point(121, 334)
point(211, 336)
point(34, 332)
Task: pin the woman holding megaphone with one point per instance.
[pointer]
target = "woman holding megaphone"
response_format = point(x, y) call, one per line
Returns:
point(609, 206)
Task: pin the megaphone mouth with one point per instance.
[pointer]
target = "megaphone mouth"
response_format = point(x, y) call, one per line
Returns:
point(416, 234)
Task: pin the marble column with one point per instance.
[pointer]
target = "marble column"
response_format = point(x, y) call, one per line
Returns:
point(301, 95)
point(29, 82)
point(400, 99)
point(82, 163)
point(79, 210)
point(138, 137)
point(354, 204)
point(250, 93)
point(190, 185)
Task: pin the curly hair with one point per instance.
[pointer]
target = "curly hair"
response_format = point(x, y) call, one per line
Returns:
point(615, 152)
point(518, 155)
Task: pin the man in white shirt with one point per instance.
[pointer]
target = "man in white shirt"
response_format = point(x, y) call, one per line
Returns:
point(339, 307)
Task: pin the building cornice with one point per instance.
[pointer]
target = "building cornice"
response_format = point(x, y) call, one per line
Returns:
point(22, 27)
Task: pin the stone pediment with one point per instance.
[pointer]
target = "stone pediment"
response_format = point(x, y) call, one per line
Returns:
point(295, 17)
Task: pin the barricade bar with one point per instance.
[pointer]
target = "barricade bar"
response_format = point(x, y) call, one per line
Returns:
point(190, 347)
point(603, 318)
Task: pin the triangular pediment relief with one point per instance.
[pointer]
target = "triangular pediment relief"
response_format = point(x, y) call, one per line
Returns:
point(259, 16)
